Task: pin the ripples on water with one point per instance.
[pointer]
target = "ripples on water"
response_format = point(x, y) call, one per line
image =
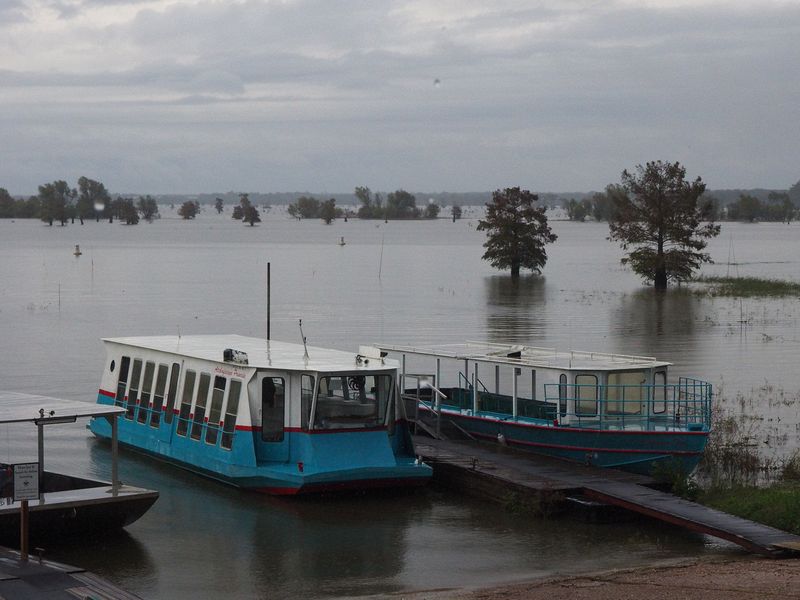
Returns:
point(401, 282)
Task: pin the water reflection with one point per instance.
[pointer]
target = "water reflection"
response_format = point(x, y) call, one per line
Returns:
point(514, 308)
point(650, 321)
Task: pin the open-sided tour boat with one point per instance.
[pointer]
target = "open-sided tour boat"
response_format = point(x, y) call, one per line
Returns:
point(608, 410)
point(270, 416)
point(66, 504)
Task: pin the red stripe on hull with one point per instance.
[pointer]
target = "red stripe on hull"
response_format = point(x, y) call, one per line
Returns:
point(341, 486)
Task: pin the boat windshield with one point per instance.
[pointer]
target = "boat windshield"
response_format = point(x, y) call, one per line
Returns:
point(352, 401)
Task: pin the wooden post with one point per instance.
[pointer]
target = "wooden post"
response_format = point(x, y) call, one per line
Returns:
point(23, 530)
point(114, 456)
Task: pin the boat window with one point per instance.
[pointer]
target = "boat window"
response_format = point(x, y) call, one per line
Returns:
point(186, 402)
point(122, 382)
point(229, 425)
point(133, 393)
point(562, 395)
point(626, 392)
point(585, 394)
point(200, 406)
point(660, 392)
point(306, 397)
point(273, 403)
point(352, 401)
point(158, 397)
point(215, 410)
point(172, 392)
point(144, 400)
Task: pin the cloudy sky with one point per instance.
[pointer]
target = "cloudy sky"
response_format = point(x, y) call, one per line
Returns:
point(183, 96)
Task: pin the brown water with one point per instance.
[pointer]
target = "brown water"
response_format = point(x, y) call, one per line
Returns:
point(401, 282)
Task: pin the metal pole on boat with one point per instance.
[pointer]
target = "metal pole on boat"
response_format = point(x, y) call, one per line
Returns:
point(475, 390)
point(497, 379)
point(514, 393)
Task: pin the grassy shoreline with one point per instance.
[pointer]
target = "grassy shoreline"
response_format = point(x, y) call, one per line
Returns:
point(745, 287)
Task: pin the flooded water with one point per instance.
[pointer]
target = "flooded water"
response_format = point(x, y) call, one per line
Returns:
point(397, 282)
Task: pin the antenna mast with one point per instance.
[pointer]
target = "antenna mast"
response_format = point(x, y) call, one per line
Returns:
point(305, 348)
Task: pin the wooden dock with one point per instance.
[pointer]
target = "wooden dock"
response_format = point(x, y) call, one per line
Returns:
point(495, 470)
point(34, 578)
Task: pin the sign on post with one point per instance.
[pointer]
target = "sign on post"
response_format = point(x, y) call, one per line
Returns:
point(26, 481)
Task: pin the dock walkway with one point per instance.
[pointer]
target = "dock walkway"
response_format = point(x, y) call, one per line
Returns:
point(493, 465)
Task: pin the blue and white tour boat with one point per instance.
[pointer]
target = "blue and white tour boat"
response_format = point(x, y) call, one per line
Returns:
point(608, 410)
point(269, 416)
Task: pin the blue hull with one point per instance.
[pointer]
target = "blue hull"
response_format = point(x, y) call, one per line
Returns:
point(309, 462)
point(637, 451)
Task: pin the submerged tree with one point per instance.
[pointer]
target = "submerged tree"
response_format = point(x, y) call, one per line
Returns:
point(664, 221)
point(517, 231)
point(93, 199)
point(148, 208)
point(218, 205)
point(189, 209)
point(56, 202)
point(455, 211)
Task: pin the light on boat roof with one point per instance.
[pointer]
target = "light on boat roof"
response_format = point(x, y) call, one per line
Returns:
point(235, 356)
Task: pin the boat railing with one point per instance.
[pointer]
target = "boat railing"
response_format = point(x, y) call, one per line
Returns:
point(685, 405)
point(425, 394)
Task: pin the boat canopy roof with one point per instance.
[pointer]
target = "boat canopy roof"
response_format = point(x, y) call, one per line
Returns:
point(260, 353)
point(531, 356)
point(16, 407)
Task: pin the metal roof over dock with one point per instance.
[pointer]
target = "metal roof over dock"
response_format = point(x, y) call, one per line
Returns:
point(16, 407)
point(261, 353)
point(530, 356)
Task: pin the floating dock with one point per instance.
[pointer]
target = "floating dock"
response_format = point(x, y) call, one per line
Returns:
point(34, 578)
point(497, 471)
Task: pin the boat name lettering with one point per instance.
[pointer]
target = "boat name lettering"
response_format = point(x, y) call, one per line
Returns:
point(229, 372)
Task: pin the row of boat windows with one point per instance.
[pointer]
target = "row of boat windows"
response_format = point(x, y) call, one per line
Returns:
point(152, 390)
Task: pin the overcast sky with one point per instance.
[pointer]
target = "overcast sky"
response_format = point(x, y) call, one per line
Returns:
point(184, 96)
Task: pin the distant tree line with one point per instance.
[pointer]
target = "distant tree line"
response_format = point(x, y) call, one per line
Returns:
point(57, 202)
point(398, 205)
point(308, 207)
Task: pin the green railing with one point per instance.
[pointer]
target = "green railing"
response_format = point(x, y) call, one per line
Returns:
point(685, 404)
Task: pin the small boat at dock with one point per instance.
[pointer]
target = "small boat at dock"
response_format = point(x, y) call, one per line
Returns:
point(68, 505)
point(263, 415)
point(607, 410)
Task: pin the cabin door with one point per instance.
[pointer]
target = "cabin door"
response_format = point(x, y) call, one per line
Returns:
point(273, 397)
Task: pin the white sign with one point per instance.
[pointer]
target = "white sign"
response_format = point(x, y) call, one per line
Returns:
point(26, 481)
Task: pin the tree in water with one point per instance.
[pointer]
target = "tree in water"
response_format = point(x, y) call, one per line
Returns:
point(93, 199)
point(148, 208)
point(218, 205)
point(189, 209)
point(56, 202)
point(455, 211)
point(327, 211)
point(251, 215)
point(664, 221)
point(516, 230)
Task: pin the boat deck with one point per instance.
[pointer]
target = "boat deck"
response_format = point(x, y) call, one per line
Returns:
point(507, 469)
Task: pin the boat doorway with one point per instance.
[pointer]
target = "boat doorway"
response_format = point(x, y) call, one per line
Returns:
point(274, 391)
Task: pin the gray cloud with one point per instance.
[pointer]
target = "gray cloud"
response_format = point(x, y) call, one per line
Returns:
point(328, 95)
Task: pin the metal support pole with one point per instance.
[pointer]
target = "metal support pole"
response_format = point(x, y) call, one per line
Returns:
point(497, 379)
point(23, 530)
point(268, 299)
point(40, 427)
point(514, 393)
point(475, 390)
point(114, 455)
